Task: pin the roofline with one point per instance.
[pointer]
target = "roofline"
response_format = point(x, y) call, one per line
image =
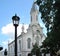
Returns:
point(14, 40)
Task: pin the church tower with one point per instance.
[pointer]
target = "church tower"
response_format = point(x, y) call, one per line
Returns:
point(34, 14)
point(35, 26)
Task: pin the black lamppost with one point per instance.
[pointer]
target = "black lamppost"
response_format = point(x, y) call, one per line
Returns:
point(5, 52)
point(15, 23)
point(1, 48)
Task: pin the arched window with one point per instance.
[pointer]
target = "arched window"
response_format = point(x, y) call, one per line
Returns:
point(29, 43)
point(20, 45)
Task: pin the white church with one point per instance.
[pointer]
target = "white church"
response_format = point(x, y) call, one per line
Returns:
point(25, 41)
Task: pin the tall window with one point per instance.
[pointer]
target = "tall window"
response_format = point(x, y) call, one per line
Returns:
point(29, 43)
point(20, 45)
point(9, 49)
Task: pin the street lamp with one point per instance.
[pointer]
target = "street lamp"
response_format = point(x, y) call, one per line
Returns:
point(15, 23)
point(5, 52)
point(1, 48)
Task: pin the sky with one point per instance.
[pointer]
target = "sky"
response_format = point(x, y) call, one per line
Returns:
point(9, 8)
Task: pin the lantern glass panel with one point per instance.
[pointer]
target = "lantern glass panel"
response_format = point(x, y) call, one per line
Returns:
point(16, 22)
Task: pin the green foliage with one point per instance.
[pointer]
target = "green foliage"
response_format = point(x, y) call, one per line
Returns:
point(50, 15)
point(46, 12)
point(35, 50)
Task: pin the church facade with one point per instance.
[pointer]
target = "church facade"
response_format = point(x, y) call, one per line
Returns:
point(25, 41)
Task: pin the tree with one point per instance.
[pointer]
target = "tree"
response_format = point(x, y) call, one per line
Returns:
point(46, 9)
point(35, 50)
point(50, 14)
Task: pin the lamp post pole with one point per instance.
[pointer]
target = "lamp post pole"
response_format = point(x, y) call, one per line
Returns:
point(15, 23)
point(5, 52)
point(1, 48)
point(15, 40)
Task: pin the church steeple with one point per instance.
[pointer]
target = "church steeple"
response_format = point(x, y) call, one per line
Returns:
point(34, 14)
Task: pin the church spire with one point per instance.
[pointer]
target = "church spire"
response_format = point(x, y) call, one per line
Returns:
point(34, 8)
point(34, 13)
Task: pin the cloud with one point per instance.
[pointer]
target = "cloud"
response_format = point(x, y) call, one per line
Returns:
point(5, 42)
point(9, 29)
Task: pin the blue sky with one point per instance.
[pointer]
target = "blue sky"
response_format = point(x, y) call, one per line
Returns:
point(8, 8)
